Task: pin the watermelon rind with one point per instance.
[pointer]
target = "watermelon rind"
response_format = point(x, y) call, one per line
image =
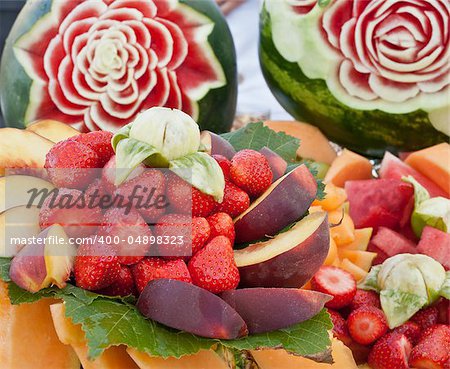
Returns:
point(369, 132)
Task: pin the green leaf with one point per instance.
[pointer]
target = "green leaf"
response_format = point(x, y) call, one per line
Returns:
point(129, 154)
point(255, 136)
point(202, 171)
point(371, 281)
point(307, 339)
point(399, 306)
point(445, 289)
point(5, 263)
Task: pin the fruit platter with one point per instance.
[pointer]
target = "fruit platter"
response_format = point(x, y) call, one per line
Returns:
point(140, 230)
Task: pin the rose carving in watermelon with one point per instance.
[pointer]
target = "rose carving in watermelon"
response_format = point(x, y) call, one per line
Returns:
point(96, 64)
point(372, 75)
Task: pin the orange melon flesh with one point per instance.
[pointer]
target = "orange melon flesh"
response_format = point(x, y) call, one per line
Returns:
point(314, 145)
point(332, 253)
point(114, 357)
point(205, 359)
point(353, 269)
point(362, 239)
point(344, 233)
point(335, 197)
point(280, 359)
point(348, 166)
point(362, 259)
point(28, 339)
point(434, 163)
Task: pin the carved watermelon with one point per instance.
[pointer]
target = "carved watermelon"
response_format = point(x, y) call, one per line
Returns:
point(372, 75)
point(96, 64)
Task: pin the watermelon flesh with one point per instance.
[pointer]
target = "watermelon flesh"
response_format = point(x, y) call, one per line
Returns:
point(435, 244)
point(392, 243)
point(380, 203)
point(393, 168)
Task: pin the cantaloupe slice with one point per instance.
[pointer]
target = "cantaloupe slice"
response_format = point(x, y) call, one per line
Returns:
point(335, 197)
point(362, 239)
point(332, 253)
point(353, 269)
point(434, 163)
point(114, 357)
point(205, 359)
point(28, 339)
point(348, 166)
point(314, 145)
point(52, 130)
point(280, 359)
point(362, 259)
point(342, 229)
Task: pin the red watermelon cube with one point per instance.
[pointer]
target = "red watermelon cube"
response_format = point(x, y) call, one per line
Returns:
point(435, 244)
point(393, 168)
point(380, 202)
point(392, 243)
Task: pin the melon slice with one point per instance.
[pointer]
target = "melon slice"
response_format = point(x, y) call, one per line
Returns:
point(22, 149)
point(342, 228)
point(313, 144)
point(28, 339)
point(363, 259)
point(353, 269)
point(332, 253)
point(52, 130)
point(435, 244)
point(434, 163)
point(361, 241)
point(393, 168)
point(205, 359)
point(280, 359)
point(348, 166)
point(114, 357)
point(335, 197)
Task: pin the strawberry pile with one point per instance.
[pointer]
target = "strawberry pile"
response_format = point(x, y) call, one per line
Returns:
point(106, 263)
point(421, 343)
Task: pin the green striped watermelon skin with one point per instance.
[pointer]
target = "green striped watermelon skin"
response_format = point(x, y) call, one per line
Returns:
point(216, 110)
point(370, 132)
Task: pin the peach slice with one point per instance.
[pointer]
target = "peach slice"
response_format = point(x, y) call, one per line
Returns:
point(46, 261)
point(216, 145)
point(22, 149)
point(271, 309)
point(284, 202)
point(289, 259)
point(52, 130)
point(189, 308)
point(17, 225)
point(277, 164)
point(15, 191)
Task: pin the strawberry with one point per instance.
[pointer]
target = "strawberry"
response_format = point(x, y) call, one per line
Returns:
point(99, 142)
point(122, 286)
point(108, 175)
point(363, 298)
point(443, 306)
point(128, 233)
point(235, 201)
point(95, 192)
point(251, 171)
point(335, 282)
point(71, 164)
point(213, 268)
point(225, 164)
point(411, 330)
point(367, 324)
point(67, 209)
point(426, 317)
point(222, 225)
point(186, 236)
point(150, 269)
point(340, 329)
point(433, 350)
point(178, 191)
point(360, 352)
point(96, 266)
point(145, 193)
point(390, 352)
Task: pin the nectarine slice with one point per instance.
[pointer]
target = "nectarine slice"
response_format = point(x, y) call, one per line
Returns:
point(28, 339)
point(284, 202)
point(289, 259)
point(189, 308)
point(52, 130)
point(216, 145)
point(22, 149)
point(271, 309)
point(277, 164)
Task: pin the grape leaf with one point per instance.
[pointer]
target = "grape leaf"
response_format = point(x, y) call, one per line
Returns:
point(255, 136)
